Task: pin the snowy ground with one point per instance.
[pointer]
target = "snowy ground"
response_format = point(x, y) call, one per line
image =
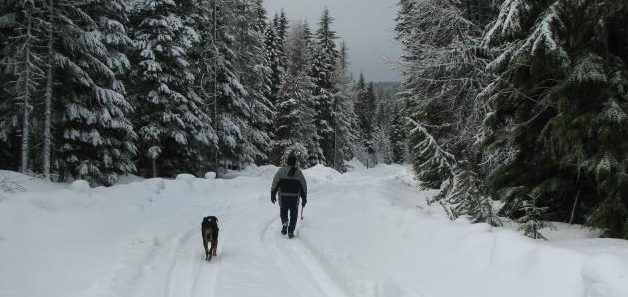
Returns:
point(365, 233)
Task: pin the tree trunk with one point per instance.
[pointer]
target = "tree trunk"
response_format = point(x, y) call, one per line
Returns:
point(27, 95)
point(573, 209)
point(48, 99)
point(154, 167)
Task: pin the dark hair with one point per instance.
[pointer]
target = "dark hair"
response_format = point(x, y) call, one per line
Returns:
point(292, 160)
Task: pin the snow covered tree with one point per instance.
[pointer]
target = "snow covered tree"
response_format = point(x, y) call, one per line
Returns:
point(295, 130)
point(443, 73)
point(381, 145)
point(398, 137)
point(255, 72)
point(22, 60)
point(97, 141)
point(461, 192)
point(323, 69)
point(294, 126)
point(173, 126)
point(75, 49)
point(366, 108)
point(281, 24)
point(234, 111)
point(346, 140)
point(559, 104)
point(461, 195)
point(274, 50)
point(431, 162)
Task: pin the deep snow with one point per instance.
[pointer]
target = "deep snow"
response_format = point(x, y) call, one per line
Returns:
point(365, 233)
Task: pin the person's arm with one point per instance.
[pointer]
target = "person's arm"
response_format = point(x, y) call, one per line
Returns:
point(303, 188)
point(275, 187)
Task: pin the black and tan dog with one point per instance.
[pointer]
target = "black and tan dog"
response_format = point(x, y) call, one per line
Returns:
point(209, 229)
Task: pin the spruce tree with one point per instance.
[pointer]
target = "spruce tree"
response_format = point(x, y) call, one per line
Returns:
point(444, 72)
point(23, 59)
point(274, 51)
point(78, 55)
point(323, 69)
point(281, 27)
point(254, 68)
point(346, 140)
point(233, 113)
point(295, 130)
point(98, 142)
point(559, 107)
point(398, 138)
point(172, 125)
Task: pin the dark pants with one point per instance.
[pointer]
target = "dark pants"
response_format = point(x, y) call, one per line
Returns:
point(289, 204)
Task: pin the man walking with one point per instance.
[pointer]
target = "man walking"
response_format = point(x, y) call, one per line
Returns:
point(290, 183)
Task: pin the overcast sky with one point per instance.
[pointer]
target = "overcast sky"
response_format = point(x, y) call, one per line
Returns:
point(366, 25)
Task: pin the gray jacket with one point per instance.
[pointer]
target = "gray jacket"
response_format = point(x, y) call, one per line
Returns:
point(289, 182)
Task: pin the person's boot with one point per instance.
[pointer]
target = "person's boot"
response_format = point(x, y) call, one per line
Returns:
point(291, 234)
point(284, 229)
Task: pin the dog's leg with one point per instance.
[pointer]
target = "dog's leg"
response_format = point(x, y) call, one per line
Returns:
point(214, 246)
point(211, 241)
point(205, 242)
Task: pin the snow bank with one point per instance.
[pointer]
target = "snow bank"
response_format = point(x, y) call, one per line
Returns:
point(128, 179)
point(605, 276)
point(368, 231)
point(355, 165)
point(380, 241)
point(267, 171)
point(13, 182)
point(187, 178)
point(320, 175)
point(80, 186)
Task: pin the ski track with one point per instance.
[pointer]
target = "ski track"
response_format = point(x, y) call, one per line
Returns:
point(176, 271)
point(175, 266)
point(299, 265)
point(190, 272)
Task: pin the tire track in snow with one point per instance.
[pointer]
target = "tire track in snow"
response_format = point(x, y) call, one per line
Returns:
point(300, 266)
point(173, 279)
point(190, 272)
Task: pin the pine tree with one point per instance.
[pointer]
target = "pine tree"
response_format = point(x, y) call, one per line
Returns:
point(444, 72)
point(462, 196)
point(98, 139)
point(23, 61)
point(294, 125)
point(295, 131)
point(281, 27)
point(274, 51)
point(398, 138)
point(233, 111)
point(323, 69)
point(173, 127)
point(254, 66)
point(365, 109)
point(559, 107)
point(359, 91)
point(346, 142)
point(432, 162)
point(461, 192)
point(382, 148)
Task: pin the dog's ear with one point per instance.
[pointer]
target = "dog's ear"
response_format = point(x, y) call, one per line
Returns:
point(213, 218)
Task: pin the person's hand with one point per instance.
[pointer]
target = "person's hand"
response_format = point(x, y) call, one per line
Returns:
point(303, 202)
point(273, 199)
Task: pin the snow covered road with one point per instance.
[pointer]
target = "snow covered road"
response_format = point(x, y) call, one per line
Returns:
point(367, 233)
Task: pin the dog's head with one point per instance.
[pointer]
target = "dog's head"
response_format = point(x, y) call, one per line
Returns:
point(210, 219)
